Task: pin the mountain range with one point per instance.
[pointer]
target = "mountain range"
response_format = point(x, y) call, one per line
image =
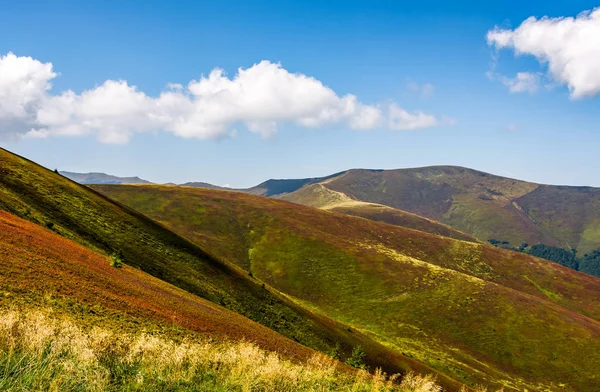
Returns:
point(482, 205)
point(102, 178)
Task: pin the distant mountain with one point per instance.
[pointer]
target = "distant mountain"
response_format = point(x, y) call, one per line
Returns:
point(102, 178)
point(268, 188)
point(481, 204)
point(204, 185)
point(278, 187)
point(317, 195)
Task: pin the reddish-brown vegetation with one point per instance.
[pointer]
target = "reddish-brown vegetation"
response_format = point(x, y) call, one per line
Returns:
point(35, 261)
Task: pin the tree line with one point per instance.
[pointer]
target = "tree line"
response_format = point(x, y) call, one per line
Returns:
point(589, 263)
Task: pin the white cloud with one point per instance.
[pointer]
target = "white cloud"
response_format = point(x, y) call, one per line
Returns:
point(23, 85)
point(261, 97)
point(570, 47)
point(400, 119)
point(423, 90)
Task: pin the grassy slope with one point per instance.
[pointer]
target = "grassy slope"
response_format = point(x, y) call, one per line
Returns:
point(319, 196)
point(78, 213)
point(569, 213)
point(48, 280)
point(475, 312)
point(40, 267)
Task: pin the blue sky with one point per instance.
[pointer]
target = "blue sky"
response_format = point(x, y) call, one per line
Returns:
point(382, 52)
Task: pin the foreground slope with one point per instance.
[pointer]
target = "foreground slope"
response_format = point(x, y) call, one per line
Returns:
point(146, 335)
point(472, 311)
point(38, 266)
point(80, 214)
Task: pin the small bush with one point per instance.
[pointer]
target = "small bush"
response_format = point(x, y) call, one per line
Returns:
point(117, 259)
point(336, 352)
point(50, 225)
point(357, 359)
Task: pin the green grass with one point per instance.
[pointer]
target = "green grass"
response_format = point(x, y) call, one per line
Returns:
point(551, 295)
point(465, 309)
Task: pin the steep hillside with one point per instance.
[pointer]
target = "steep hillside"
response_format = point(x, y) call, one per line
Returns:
point(475, 312)
point(319, 196)
point(101, 178)
point(121, 329)
point(78, 213)
point(481, 204)
point(40, 267)
point(570, 214)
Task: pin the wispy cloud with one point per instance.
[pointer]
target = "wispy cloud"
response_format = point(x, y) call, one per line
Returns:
point(522, 82)
point(422, 90)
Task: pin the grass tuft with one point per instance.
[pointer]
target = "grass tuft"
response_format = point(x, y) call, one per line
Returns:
point(39, 352)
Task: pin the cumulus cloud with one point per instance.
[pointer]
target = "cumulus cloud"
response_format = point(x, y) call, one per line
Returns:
point(400, 119)
point(261, 98)
point(568, 46)
point(23, 86)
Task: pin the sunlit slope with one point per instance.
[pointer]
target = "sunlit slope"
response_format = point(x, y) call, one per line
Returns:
point(482, 204)
point(319, 196)
point(78, 213)
point(474, 312)
point(39, 267)
point(71, 322)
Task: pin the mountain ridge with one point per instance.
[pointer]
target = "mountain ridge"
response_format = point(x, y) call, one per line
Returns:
point(486, 206)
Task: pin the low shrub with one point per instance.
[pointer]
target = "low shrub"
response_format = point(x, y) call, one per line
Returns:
point(117, 259)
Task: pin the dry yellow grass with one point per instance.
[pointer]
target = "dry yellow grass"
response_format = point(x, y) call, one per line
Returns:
point(41, 352)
